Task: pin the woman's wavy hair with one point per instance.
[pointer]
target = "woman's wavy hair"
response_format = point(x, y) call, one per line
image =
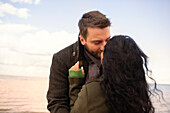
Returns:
point(124, 81)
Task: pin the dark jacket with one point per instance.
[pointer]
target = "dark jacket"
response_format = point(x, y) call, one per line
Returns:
point(57, 95)
point(90, 99)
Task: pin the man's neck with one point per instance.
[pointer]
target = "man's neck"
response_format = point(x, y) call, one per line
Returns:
point(92, 58)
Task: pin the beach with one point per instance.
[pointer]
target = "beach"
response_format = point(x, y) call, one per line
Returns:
point(28, 95)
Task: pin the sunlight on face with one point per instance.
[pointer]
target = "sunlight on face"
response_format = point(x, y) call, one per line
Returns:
point(102, 56)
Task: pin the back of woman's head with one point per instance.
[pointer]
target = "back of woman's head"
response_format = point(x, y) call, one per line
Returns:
point(124, 82)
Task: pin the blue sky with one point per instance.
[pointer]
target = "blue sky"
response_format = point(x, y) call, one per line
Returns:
point(32, 30)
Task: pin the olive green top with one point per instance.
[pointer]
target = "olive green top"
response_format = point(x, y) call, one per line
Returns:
point(88, 99)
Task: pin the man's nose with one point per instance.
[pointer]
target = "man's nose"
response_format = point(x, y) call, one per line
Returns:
point(102, 46)
point(101, 57)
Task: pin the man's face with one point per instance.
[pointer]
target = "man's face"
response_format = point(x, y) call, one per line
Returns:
point(96, 40)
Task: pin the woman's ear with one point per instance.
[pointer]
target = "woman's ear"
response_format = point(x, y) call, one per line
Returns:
point(82, 40)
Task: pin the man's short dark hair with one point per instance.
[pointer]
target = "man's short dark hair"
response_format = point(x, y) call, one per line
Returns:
point(92, 19)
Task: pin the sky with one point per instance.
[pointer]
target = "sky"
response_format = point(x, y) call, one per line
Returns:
point(31, 31)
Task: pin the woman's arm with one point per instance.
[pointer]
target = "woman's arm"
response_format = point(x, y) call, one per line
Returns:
point(76, 81)
point(80, 105)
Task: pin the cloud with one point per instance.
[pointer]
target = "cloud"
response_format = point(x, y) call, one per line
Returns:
point(1, 22)
point(26, 1)
point(6, 8)
point(27, 50)
point(36, 1)
point(22, 1)
point(15, 28)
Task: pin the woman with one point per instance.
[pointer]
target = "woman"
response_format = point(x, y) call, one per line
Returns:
point(122, 88)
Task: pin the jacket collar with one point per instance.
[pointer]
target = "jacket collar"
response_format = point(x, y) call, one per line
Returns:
point(78, 51)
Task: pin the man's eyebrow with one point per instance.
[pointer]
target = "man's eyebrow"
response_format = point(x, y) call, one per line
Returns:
point(100, 40)
point(96, 41)
point(108, 37)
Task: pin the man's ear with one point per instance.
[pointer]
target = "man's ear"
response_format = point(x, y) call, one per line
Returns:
point(82, 40)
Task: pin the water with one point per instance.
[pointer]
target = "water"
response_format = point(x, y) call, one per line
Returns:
point(23, 94)
point(162, 103)
point(28, 95)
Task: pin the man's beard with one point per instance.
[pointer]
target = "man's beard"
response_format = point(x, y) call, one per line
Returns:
point(93, 53)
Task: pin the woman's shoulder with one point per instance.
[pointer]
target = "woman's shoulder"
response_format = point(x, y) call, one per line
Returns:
point(95, 97)
point(94, 86)
point(95, 82)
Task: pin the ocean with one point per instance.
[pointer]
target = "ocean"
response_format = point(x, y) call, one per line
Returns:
point(23, 94)
point(28, 95)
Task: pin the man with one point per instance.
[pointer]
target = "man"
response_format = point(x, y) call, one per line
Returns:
point(94, 30)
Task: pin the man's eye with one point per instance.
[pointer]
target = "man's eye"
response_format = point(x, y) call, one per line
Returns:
point(97, 43)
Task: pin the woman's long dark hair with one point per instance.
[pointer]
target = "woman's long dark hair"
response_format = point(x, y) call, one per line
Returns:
point(124, 81)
